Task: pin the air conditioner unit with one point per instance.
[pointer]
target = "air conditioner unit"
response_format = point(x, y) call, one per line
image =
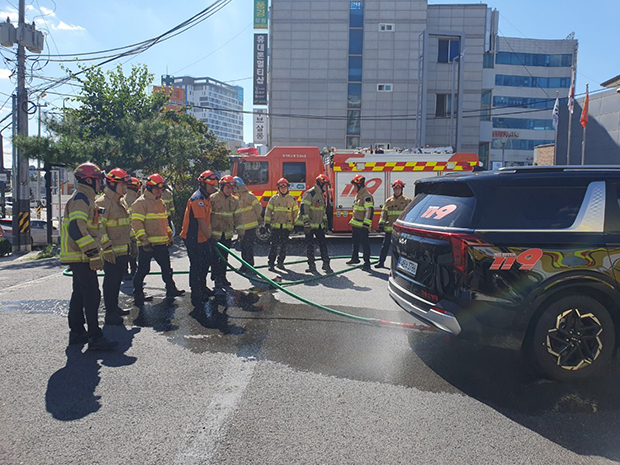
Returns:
point(8, 34)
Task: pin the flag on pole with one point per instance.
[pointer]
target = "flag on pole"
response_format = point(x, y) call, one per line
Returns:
point(584, 112)
point(571, 92)
point(556, 113)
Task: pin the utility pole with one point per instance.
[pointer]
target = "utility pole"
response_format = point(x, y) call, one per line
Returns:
point(21, 188)
point(38, 196)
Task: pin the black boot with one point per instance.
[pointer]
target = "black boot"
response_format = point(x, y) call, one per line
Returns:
point(311, 268)
point(101, 343)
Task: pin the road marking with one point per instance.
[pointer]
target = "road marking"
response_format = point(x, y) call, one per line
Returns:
point(15, 287)
point(202, 440)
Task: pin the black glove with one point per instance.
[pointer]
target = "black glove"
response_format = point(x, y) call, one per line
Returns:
point(148, 248)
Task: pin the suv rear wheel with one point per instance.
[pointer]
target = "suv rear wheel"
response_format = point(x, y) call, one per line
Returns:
point(572, 338)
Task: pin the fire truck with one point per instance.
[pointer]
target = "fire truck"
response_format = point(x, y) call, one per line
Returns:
point(301, 165)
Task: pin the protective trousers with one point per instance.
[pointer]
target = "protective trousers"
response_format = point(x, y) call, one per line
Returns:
point(162, 256)
point(220, 262)
point(319, 234)
point(199, 261)
point(85, 299)
point(360, 236)
point(279, 241)
point(247, 245)
point(112, 282)
point(385, 247)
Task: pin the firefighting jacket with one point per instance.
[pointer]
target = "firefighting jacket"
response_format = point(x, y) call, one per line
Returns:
point(130, 197)
point(392, 209)
point(312, 209)
point(149, 220)
point(166, 197)
point(225, 215)
point(281, 211)
point(115, 221)
point(251, 209)
point(81, 228)
point(363, 209)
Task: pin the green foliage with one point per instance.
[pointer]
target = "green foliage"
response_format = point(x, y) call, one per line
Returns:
point(49, 251)
point(5, 247)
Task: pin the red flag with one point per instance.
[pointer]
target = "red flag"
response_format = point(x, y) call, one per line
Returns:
point(584, 112)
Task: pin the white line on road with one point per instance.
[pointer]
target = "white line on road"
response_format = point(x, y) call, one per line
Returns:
point(202, 439)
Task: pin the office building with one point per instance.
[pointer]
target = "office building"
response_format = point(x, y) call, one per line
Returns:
point(210, 99)
point(409, 74)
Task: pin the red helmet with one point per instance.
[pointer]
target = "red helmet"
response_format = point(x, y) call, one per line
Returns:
point(398, 183)
point(156, 180)
point(228, 180)
point(118, 175)
point(282, 182)
point(358, 179)
point(322, 180)
point(89, 170)
point(208, 177)
point(134, 184)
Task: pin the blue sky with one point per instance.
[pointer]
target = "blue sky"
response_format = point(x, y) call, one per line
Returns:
point(221, 46)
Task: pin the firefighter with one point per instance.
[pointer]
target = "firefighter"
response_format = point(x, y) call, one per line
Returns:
point(166, 197)
point(196, 233)
point(225, 218)
point(81, 249)
point(392, 209)
point(134, 188)
point(313, 217)
point(363, 211)
point(280, 215)
point(150, 223)
point(251, 216)
point(116, 226)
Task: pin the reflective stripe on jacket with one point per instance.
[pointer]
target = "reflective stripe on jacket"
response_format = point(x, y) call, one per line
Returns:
point(251, 209)
point(363, 209)
point(82, 210)
point(225, 215)
point(166, 197)
point(281, 211)
point(392, 209)
point(149, 220)
point(312, 209)
point(115, 221)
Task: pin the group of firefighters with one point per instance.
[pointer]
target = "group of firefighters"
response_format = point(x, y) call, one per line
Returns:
point(123, 228)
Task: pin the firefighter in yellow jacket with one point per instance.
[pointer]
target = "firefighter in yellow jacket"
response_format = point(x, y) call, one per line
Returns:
point(280, 216)
point(81, 248)
point(116, 225)
point(251, 216)
point(225, 219)
point(392, 209)
point(134, 190)
point(313, 218)
point(149, 221)
point(363, 211)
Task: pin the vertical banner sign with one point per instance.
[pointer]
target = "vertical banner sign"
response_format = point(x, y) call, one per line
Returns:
point(260, 69)
point(260, 14)
point(260, 127)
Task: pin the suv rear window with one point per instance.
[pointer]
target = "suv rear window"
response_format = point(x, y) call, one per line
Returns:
point(442, 204)
point(540, 207)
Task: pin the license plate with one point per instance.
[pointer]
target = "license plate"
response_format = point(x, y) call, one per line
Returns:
point(407, 265)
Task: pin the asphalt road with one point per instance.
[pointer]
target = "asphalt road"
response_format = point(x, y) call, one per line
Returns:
point(259, 377)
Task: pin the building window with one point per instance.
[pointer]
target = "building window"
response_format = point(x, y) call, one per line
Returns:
point(485, 105)
point(353, 142)
point(523, 123)
point(355, 96)
point(449, 49)
point(294, 171)
point(384, 87)
point(535, 59)
point(356, 14)
point(353, 122)
point(443, 105)
point(526, 102)
point(355, 69)
point(519, 144)
point(484, 152)
point(386, 27)
point(356, 41)
point(488, 60)
point(531, 81)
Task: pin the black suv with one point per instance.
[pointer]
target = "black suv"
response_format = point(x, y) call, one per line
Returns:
point(526, 258)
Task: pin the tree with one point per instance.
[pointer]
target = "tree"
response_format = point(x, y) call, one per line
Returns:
point(118, 123)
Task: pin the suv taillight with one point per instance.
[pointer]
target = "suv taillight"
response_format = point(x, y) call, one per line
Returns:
point(458, 241)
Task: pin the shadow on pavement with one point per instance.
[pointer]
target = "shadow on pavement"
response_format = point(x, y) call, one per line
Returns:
point(70, 393)
point(580, 416)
